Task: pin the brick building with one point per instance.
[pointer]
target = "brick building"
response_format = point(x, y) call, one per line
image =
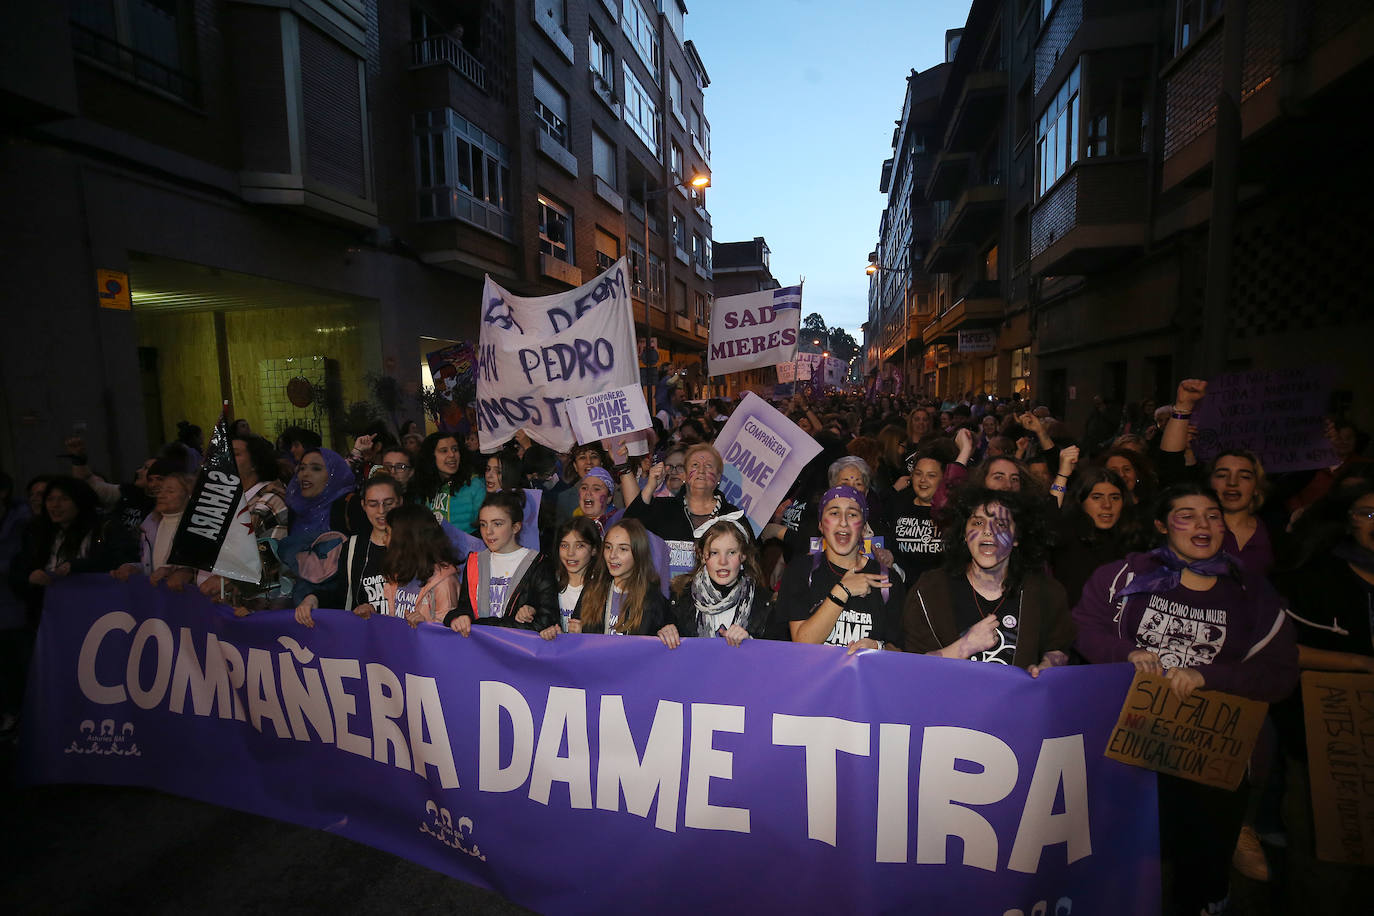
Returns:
point(315, 190)
point(1099, 257)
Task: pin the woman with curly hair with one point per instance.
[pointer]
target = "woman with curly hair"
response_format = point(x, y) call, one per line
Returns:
point(991, 600)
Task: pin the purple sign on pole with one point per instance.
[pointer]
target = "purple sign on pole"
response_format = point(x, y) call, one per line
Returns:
point(796, 777)
point(1275, 413)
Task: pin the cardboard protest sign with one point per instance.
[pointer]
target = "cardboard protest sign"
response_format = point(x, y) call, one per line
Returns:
point(1339, 709)
point(1275, 413)
point(764, 452)
point(609, 413)
point(535, 353)
point(754, 330)
point(1206, 738)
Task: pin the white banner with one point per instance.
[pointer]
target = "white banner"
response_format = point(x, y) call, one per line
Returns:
point(537, 352)
point(787, 372)
point(609, 413)
point(754, 330)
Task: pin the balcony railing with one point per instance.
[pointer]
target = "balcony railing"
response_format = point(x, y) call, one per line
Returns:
point(141, 67)
point(442, 49)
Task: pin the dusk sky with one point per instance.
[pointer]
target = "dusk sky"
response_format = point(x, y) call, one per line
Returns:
point(802, 103)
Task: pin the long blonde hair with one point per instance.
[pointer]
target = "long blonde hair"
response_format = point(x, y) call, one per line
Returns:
point(641, 579)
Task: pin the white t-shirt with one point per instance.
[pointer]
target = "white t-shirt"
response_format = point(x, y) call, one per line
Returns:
point(503, 566)
point(567, 601)
point(162, 544)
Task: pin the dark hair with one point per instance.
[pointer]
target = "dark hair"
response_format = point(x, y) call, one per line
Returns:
point(978, 475)
point(511, 478)
point(188, 434)
point(383, 480)
point(293, 434)
point(418, 544)
point(512, 501)
point(86, 521)
point(1165, 503)
point(381, 436)
point(261, 456)
point(570, 471)
point(426, 482)
point(585, 529)
point(1033, 533)
point(1144, 471)
point(1127, 528)
point(1325, 523)
point(538, 461)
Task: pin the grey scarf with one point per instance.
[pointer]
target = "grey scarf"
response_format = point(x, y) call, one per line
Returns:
point(711, 601)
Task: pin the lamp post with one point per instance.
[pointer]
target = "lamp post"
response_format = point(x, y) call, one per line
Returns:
point(700, 182)
point(874, 268)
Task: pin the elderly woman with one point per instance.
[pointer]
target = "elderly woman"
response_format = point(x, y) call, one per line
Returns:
point(677, 519)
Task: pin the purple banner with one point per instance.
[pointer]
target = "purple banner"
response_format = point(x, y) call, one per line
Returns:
point(599, 773)
point(1276, 413)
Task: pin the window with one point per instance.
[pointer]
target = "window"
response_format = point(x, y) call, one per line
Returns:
point(673, 11)
point(990, 375)
point(676, 159)
point(461, 172)
point(701, 251)
point(679, 231)
point(1056, 143)
point(601, 60)
point(603, 158)
point(675, 92)
point(607, 249)
point(657, 280)
point(552, 12)
point(1020, 369)
point(551, 108)
point(642, 30)
point(149, 40)
point(640, 111)
point(694, 121)
point(637, 266)
point(1095, 136)
point(1193, 17)
point(700, 310)
point(555, 230)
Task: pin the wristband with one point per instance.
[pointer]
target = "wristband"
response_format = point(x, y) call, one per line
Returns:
point(1056, 488)
point(847, 593)
point(831, 596)
point(622, 469)
point(1061, 474)
point(1181, 414)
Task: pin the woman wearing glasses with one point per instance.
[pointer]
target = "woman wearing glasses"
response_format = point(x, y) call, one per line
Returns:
point(363, 554)
point(1187, 611)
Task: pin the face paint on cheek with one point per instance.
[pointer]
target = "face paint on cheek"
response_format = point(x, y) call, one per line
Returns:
point(1180, 524)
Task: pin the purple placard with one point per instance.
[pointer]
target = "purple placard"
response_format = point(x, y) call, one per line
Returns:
point(1275, 413)
point(798, 777)
point(764, 452)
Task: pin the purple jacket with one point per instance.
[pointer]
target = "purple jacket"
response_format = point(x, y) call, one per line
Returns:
point(1259, 658)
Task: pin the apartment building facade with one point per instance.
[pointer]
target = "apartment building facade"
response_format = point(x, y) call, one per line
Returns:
point(1096, 268)
point(208, 200)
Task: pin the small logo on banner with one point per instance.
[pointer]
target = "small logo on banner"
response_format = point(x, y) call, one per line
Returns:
point(441, 826)
point(105, 739)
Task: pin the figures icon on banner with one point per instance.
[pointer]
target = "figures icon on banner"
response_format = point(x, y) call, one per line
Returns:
point(106, 740)
point(456, 836)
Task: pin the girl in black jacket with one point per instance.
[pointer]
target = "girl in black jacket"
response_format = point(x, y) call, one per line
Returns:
point(628, 602)
point(506, 585)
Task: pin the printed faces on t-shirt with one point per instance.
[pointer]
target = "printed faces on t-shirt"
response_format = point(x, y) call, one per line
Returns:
point(1182, 634)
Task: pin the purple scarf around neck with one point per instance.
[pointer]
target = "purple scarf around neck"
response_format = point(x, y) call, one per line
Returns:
point(1169, 573)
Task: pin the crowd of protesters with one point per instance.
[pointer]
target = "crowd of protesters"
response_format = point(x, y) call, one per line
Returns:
point(982, 530)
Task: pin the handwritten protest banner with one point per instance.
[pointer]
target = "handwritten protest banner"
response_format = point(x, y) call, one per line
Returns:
point(827, 370)
point(1339, 709)
point(609, 413)
point(535, 353)
point(764, 452)
point(807, 778)
point(754, 330)
point(1275, 413)
point(1206, 738)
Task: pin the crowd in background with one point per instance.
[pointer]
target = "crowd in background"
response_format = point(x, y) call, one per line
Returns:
point(982, 530)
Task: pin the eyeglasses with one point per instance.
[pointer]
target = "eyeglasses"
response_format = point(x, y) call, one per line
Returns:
point(384, 504)
point(396, 467)
point(677, 467)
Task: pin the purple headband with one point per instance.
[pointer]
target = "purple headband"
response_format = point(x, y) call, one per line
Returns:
point(845, 492)
point(602, 475)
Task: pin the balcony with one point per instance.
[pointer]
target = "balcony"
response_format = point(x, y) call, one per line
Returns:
point(980, 306)
point(604, 89)
point(1092, 219)
point(948, 173)
point(976, 213)
point(441, 49)
point(555, 152)
point(562, 271)
point(551, 28)
point(982, 100)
